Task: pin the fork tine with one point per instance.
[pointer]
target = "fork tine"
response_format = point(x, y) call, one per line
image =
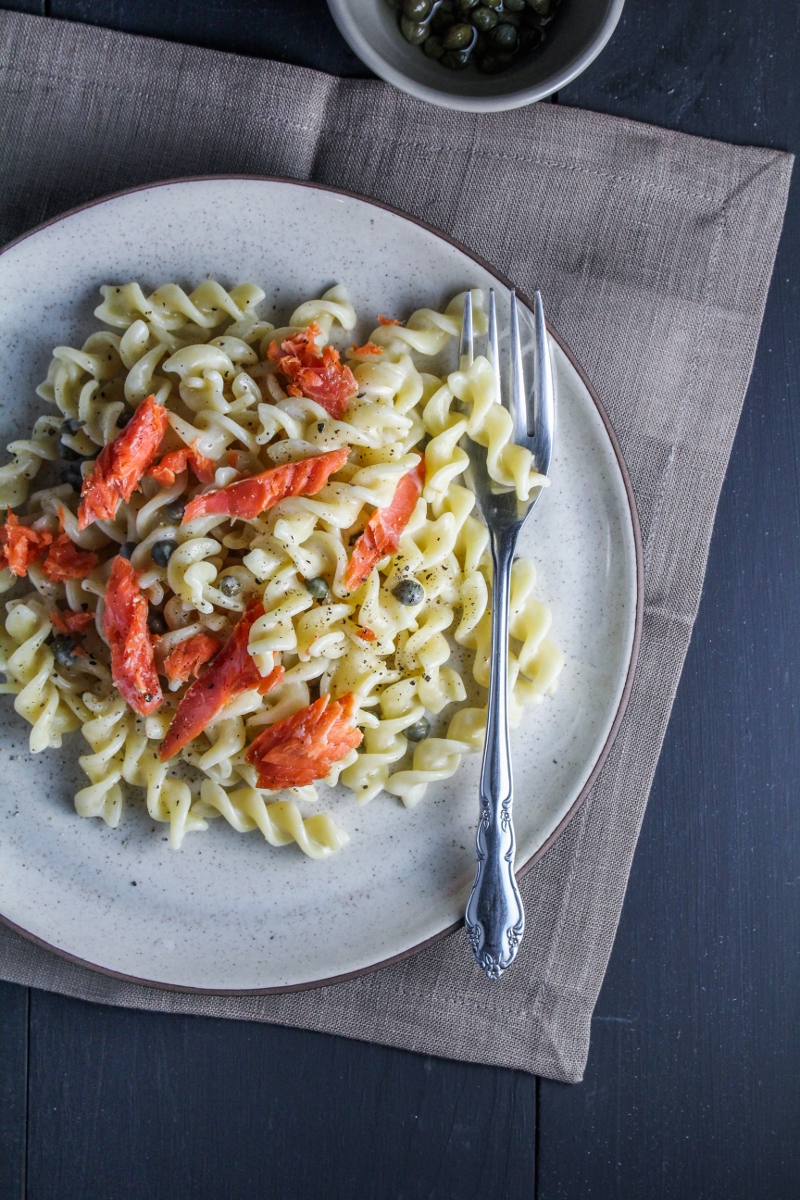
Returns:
point(465, 351)
point(543, 390)
point(517, 403)
point(493, 352)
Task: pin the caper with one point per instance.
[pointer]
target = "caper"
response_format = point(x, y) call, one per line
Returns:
point(317, 587)
point(504, 38)
point(417, 10)
point(542, 7)
point(514, 5)
point(162, 552)
point(433, 47)
point(530, 38)
point(71, 425)
point(459, 37)
point(492, 64)
point(175, 510)
point(466, 6)
point(156, 623)
point(441, 20)
point(409, 592)
point(498, 4)
point(72, 475)
point(63, 649)
point(126, 549)
point(484, 18)
point(419, 730)
point(123, 419)
point(68, 454)
point(413, 31)
point(456, 60)
point(229, 585)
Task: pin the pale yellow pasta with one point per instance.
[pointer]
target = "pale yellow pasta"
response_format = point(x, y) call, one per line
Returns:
point(205, 355)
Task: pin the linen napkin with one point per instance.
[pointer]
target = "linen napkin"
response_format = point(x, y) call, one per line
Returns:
point(655, 252)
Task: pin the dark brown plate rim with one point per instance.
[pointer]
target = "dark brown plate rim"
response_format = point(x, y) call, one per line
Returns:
point(637, 633)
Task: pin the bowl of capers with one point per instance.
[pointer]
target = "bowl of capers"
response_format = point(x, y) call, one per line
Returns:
point(477, 55)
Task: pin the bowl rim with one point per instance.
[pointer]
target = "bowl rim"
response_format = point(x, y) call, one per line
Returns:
point(638, 547)
point(341, 12)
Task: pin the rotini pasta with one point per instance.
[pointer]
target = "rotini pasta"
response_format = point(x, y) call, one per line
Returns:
point(252, 565)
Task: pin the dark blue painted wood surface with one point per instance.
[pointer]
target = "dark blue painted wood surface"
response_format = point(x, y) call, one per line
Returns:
point(692, 1088)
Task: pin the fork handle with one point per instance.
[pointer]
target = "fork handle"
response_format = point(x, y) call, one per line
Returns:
point(495, 919)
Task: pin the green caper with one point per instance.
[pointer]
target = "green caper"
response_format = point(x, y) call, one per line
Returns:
point(413, 31)
point(514, 5)
point(456, 60)
point(441, 20)
point(162, 552)
point(156, 623)
point(419, 730)
point(417, 10)
point(466, 6)
point(229, 585)
point(174, 511)
point(63, 649)
point(123, 419)
point(72, 475)
point(497, 4)
point(504, 38)
point(529, 39)
point(317, 587)
point(71, 425)
point(433, 47)
point(484, 18)
point(409, 592)
point(492, 64)
point(126, 549)
point(542, 7)
point(459, 37)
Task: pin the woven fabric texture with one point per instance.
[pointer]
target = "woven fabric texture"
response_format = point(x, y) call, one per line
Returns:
point(655, 252)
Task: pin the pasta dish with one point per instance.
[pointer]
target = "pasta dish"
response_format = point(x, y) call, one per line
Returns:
point(242, 560)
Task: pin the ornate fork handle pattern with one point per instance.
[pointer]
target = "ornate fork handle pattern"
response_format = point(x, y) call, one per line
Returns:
point(495, 918)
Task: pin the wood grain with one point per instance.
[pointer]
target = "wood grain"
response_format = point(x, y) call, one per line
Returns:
point(142, 1105)
point(692, 1087)
point(13, 1089)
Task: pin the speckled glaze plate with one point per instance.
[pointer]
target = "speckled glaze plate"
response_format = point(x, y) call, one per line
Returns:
point(228, 912)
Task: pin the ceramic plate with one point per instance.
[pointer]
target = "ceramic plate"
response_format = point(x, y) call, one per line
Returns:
point(228, 912)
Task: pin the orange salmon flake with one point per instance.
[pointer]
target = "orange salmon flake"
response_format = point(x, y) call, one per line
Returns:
point(382, 532)
point(133, 667)
point(176, 461)
point(301, 748)
point(20, 545)
point(387, 320)
point(248, 497)
point(368, 348)
point(232, 671)
point(188, 657)
point(318, 376)
point(121, 464)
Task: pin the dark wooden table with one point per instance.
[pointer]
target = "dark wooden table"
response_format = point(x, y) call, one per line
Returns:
point(693, 1083)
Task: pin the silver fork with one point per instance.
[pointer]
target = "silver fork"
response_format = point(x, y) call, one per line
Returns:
point(495, 919)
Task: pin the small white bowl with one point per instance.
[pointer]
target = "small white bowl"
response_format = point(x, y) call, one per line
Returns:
point(576, 36)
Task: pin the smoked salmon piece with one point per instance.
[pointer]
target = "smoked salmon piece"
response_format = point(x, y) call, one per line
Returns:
point(133, 667)
point(231, 672)
point(20, 545)
point(321, 377)
point(176, 461)
point(188, 657)
point(301, 748)
point(71, 622)
point(382, 532)
point(121, 464)
point(249, 497)
point(64, 560)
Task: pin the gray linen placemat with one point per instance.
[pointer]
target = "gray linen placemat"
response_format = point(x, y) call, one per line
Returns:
point(654, 251)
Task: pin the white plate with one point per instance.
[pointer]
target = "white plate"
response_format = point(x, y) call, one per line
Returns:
point(227, 912)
